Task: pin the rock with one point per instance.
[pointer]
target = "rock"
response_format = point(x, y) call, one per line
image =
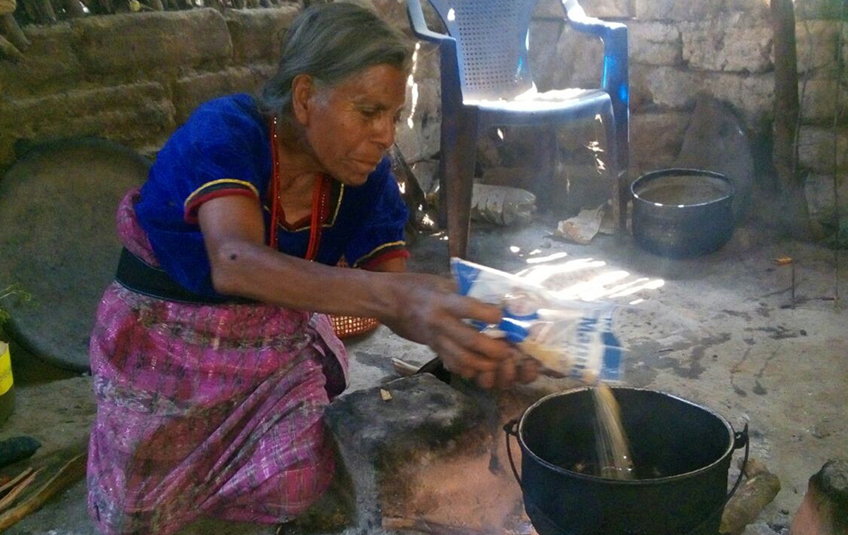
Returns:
point(432, 453)
point(138, 115)
point(819, 101)
point(816, 42)
point(191, 91)
point(419, 132)
point(424, 413)
point(49, 63)
point(544, 58)
point(614, 9)
point(760, 528)
point(819, 192)
point(824, 510)
point(617, 9)
point(815, 148)
point(551, 9)
point(654, 43)
point(715, 140)
point(426, 64)
point(245, 25)
point(394, 12)
point(672, 87)
point(377, 439)
point(818, 9)
point(580, 61)
point(728, 44)
point(155, 40)
point(693, 10)
point(426, 172)
point(655, 138)
point(756, 8)
point(752, 96)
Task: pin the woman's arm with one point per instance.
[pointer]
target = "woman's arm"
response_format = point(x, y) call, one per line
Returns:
point(421, 308)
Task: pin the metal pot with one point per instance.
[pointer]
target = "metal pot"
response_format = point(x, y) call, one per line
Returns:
point(682, 213)
point(681, 454)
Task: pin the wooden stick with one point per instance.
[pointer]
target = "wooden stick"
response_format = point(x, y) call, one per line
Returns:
point(19, 488)
point(69, 474)
point(403, 368)
point(8, 486)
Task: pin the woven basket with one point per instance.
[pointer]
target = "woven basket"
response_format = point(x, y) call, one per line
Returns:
point(347, 326)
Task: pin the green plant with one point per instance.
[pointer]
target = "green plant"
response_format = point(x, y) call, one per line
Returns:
point(13, 291)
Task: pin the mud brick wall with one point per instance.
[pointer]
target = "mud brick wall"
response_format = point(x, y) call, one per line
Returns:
point(134, 78)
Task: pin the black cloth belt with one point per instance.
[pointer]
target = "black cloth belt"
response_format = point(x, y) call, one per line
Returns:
point(139, 276)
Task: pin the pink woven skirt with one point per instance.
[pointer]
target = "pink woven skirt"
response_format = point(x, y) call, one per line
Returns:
point(206, 410)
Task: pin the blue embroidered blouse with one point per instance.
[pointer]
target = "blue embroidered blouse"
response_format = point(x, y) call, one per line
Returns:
point(224, 149)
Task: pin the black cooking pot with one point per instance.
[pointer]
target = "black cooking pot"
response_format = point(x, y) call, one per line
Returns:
point(682, 213)
point(681, 456)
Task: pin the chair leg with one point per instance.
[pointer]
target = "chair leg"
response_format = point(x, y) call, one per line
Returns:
point(459, 153)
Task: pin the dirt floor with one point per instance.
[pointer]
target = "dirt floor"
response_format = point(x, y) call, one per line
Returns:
point(721, 330)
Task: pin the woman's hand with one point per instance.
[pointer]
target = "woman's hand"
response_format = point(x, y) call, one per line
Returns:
point(427, 310)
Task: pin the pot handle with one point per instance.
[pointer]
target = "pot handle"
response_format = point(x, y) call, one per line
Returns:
point(511, 428)
point(740, 440)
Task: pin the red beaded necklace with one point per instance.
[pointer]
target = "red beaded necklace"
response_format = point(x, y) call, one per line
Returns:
point(320, 202)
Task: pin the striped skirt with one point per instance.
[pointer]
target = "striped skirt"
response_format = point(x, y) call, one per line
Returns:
point(211, 410)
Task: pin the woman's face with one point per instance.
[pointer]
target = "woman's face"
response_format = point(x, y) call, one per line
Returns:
point(349, 127)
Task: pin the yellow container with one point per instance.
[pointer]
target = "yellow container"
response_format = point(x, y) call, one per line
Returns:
point(7, 383)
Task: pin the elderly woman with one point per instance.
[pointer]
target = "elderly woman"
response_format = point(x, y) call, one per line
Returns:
point(212, 355)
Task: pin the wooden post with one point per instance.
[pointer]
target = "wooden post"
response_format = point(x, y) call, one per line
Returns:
point(786, 109)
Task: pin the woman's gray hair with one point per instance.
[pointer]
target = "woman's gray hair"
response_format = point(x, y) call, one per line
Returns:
point(331, 42)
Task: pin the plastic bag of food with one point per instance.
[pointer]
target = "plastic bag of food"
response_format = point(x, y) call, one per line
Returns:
point(575, 339)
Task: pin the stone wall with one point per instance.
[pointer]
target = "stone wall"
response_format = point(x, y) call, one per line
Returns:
point(134, 78)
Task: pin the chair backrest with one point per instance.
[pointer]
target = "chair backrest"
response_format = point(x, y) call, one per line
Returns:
point(492, 41)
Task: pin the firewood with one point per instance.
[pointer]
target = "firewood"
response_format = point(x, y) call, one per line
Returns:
point(10, 29)
point(9, 51)
point(403, 368)
point(14, 481)
point(9, 498)
point(70, 473)
point(748, 502)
